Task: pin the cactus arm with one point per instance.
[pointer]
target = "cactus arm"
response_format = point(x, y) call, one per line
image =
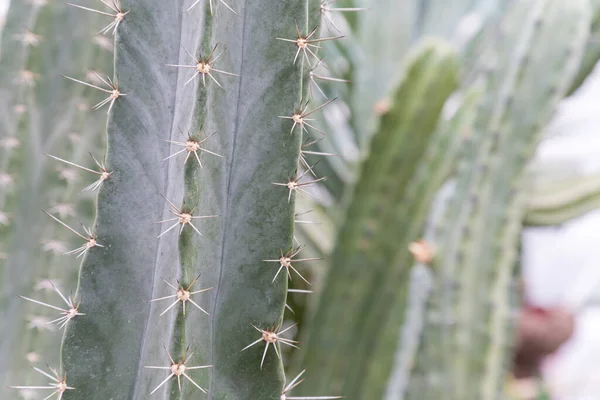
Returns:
point(421, 285)
point(431, 68)
point(557, 203)
point(20, 19)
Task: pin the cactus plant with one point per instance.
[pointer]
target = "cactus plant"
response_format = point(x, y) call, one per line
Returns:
point(213, 111)
point(370, 373)
point(224, 82)
point(41, 115)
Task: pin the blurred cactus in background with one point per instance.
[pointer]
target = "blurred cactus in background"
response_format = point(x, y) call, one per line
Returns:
point(364, 165)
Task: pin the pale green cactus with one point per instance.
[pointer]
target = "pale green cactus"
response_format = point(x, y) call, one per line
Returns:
point(185, 270)
point(215, 115)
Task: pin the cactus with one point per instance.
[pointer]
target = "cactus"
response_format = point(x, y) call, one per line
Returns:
point(370, 235)
point(559, 202)
point(201, 217)
point(41, 116)
point(522, 101)
point(207, 109)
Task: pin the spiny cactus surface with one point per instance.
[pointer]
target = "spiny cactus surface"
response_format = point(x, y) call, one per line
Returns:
point(184, 276)
point(39, 115)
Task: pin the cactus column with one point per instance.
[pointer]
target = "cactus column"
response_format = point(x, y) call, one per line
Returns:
point(248, 151)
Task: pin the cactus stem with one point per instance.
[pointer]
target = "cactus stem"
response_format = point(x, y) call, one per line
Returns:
point(295, 383)
point(90, 238)
point(183, 218)
point(294, 184)
point(59, 384)
point(272, 337)
point(104, 173)
point(67, 314)
point(119, 14)
point(183, 295)
point(305, 43)
point(326, 11)
point(178, 369)
point(113, 91)
point(211, 6)
point(204, 67)
point(299, 117)
point(285, 261)
point(192, 145)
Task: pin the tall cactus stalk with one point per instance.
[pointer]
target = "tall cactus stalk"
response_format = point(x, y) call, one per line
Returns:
point(529, 65)
point(184, 275)
point(471, 308)
point(378, 220)
point(178, 288)
point(40, 115)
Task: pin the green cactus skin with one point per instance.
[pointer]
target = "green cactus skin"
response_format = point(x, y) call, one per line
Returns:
point(471, 333)
point(449, 142)
point(557, 203)
point(20, 19)
point(51, 113)
point(367, 86)
point(592, 52)
point(340, 359)
point(106, 351)
point(421, 281)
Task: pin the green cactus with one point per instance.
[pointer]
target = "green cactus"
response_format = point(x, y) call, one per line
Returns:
point(561, 201)
point(371, 234)
point(236, 81)
point(42, 115)
point(217, 111)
